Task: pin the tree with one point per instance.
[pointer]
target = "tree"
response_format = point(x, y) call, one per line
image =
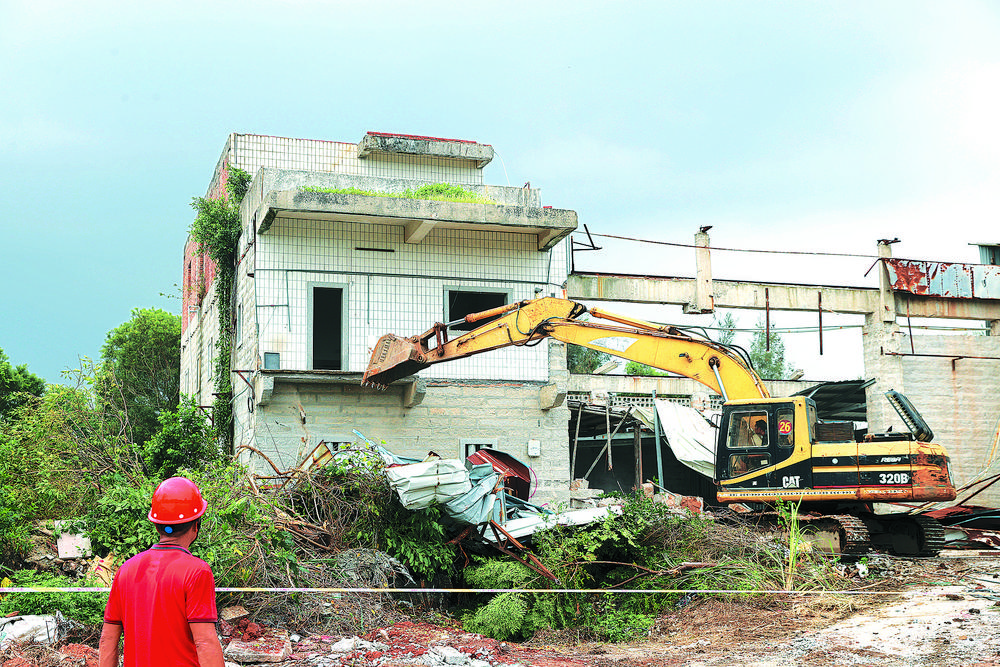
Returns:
point(139, 375)
point(638, 368)
point(584, 360)
point(769, 363)
point(727, 327)
point(17, 385)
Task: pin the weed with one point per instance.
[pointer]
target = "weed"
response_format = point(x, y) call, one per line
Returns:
point(433, 192)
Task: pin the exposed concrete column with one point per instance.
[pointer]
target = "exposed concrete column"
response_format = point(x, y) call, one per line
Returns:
point(879, 338)
point(704, 300)
point(553, 394)
point(887, 301)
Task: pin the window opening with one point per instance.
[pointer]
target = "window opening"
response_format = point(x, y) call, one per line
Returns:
point(327, 328)
point(741, 464)
point(474, 445)
point(465, 302)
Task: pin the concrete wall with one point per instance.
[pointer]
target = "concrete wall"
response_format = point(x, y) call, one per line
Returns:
point(401, 292)
point(198, 350)
point(507, 413)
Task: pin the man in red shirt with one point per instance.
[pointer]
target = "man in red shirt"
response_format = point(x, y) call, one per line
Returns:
point(163, 599)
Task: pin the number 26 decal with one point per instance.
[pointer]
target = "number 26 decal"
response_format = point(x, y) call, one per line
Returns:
point(894, 478)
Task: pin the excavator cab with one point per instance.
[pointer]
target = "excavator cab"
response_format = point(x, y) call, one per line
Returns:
point(758, 442)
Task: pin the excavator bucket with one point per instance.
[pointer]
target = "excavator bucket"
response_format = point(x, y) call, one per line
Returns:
point(393, 358)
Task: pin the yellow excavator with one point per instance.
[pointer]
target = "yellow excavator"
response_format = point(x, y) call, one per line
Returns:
point(768, 449)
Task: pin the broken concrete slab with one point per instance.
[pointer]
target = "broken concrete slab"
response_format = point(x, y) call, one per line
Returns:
point(233, 613)
point(449, 655)
point(72, 545)
point(273, 646)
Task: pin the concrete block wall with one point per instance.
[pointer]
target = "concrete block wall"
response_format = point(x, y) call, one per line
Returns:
point(961, 404)
point(450, 412)
point(198, 350)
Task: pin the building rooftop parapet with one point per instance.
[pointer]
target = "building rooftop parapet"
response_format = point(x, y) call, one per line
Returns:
point(409, 144)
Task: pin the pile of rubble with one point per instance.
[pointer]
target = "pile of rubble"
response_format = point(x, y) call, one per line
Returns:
point(405, 643)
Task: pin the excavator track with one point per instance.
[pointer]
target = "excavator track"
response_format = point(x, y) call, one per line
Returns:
point(849, 535)
point(905, 534)
point(852, 537)
point(841, 534)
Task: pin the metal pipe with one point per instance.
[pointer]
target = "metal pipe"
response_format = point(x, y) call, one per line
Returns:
point(718, 378)
point(767, 320)
point(820, 309)
point(656, 441)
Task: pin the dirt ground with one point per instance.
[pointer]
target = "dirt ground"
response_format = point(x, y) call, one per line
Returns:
point(937, 611)
point(946, 613)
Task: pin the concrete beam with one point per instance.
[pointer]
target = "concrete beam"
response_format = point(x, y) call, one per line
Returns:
point(551, 395)
point(263, 388)
point(776, 296)
point(414, 393)
point(550, 225)
point(417, 230)
point(727, 293)
point(455, 149)
point(666, 386)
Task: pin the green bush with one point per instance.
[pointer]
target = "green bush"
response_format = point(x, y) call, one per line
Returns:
point(239, 536)
point(185, 440)
point(503, 617)
point(83, 607)
point(118, 522)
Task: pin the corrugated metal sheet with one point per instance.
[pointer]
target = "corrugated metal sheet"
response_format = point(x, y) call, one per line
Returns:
point(947, 279)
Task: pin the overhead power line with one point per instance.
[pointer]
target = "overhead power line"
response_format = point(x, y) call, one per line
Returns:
point(770, 252)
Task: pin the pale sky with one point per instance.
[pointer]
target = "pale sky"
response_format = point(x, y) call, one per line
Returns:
point(809, 126)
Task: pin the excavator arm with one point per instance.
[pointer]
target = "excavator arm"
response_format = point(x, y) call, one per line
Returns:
point(529, 322)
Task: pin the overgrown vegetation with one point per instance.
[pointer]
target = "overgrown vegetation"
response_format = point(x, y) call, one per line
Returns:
point(17, 385)
point(83, 607)
point(433, 192)
point(216, 228)
point(646, 548)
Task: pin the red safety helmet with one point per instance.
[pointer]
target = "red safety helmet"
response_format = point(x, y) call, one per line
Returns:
point(176, 500)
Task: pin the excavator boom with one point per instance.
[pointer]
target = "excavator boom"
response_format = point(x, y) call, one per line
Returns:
point(664, 347)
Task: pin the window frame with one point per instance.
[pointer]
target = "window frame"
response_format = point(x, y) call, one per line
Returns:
point(311, 287)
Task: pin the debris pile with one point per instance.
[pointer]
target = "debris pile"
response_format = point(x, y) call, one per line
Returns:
point(413, 643)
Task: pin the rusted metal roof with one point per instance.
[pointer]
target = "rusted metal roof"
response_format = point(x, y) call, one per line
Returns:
point(947, 279)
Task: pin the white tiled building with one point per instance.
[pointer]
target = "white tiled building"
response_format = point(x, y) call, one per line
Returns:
point(321, 276)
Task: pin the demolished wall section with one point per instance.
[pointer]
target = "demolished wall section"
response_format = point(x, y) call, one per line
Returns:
point(300, 415)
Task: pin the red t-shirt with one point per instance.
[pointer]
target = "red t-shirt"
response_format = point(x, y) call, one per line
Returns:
point(154, 596)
